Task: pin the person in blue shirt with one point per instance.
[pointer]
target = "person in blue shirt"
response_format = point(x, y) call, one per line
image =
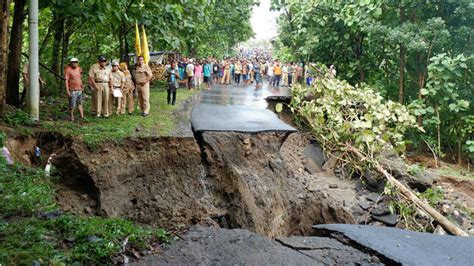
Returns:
point(256, 71)
point(232, 71)
point(207, 75)
point(172, 76)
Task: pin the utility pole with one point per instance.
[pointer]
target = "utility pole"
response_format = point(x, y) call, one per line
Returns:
point(33, 71)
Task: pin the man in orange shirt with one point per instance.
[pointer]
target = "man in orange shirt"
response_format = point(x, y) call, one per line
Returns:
point(277, 71)
point(74, 87)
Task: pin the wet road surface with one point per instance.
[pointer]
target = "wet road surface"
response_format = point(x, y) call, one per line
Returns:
point(237, 108)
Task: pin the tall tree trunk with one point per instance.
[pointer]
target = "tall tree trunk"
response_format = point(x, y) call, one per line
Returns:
point(64, 53)
point(122, 34)
point(358, 55)
point(402, 61)
point(58, 36)
point(5, 14)
point(459, 149)
point(14, 57)
point(421, 85)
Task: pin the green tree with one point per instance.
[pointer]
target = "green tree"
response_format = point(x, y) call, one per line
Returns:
point(393, 46)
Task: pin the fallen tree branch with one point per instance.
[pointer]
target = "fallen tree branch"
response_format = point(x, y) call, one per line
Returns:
point(410, 195)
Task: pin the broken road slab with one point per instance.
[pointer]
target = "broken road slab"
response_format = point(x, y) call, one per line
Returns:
point(405, 247)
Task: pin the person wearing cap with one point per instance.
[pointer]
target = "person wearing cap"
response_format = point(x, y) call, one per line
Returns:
point(127, 90)
point(74, 87)
point(226, 77)
point(117, 80)
point(143, 76)
point(99, 80)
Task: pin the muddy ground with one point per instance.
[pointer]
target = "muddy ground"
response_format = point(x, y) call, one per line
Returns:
point(271, 183)
point(234, 180)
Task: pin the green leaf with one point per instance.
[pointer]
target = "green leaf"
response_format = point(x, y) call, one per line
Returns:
point(378, 12)
point(279, 107)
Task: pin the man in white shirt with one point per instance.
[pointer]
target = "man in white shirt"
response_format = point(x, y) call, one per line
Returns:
point(270, 73)
point(190, 73)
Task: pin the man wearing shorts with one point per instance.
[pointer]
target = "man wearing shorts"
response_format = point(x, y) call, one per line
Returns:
point(215, 72)
point(74, 87)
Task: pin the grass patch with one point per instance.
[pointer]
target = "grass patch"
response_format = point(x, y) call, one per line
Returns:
point(24, 191)
point(93, 131)
point(70, 239)
point(455, 171)
point(33, 229)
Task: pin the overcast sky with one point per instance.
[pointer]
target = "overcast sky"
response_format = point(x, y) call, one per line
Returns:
point(264, 21)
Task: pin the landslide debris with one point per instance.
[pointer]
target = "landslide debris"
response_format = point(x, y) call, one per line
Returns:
point(236, 180)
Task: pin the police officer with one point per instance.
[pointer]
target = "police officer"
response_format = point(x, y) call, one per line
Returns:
point(143, 76)
point(127, 91)
point(117, 80)
point(99, 80)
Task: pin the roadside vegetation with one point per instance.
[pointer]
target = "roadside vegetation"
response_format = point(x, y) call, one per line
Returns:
point(33, 228)
point(94, 131)
point(363, 133)
point(419, 54)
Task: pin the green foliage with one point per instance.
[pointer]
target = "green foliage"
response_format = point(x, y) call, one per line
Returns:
point(339, 114)
point(367, 40)
point(3, 139)
point(470, 148)
point(416, 169)
point(17, 117)
point(196, 27)
point(25, 193)
point(433, 196)
point(406, 210)
point(71, 239)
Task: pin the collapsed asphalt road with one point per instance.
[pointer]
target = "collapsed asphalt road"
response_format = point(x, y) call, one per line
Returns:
point(335, 244)
point(259, 181)
point(244, 109)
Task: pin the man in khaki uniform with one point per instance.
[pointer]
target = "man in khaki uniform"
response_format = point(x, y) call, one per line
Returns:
point(226, 77)
point(127, 91)
point(99, 80)
point(117, 83)
point(143, 75)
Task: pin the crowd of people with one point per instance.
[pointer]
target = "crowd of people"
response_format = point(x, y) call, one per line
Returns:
point(115, 87)
point(237, 71)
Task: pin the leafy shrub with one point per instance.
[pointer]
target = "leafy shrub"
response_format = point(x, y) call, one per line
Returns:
point(415, 169)
point(17, 117)
point(339, 114)
point(433, 196)
point(3, 138)
point(27, 236)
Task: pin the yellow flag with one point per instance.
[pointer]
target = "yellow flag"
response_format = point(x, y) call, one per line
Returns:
point(145, 51)
point(138, 48)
